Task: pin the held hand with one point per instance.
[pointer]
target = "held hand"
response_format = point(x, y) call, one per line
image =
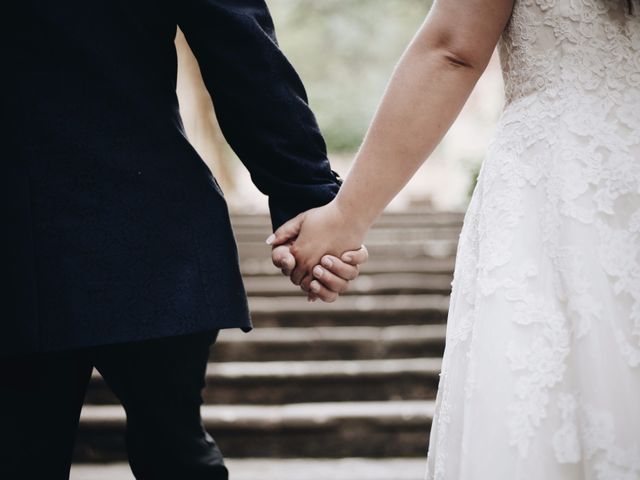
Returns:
point(315, 233)
point(332, 276)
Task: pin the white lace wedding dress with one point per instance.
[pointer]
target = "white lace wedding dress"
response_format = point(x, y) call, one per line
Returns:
point(541, 373)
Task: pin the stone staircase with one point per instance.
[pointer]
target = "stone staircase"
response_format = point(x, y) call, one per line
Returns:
point(356, 378)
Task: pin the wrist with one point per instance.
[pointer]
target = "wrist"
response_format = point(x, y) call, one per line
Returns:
point(354, 219)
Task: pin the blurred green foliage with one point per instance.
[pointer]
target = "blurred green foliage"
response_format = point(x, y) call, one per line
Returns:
point(345, 51)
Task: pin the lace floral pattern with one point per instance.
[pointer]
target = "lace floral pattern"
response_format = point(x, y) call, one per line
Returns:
point(541, 372)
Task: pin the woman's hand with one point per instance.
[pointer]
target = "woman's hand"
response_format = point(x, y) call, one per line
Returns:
point(318, 233)
point(332, 276)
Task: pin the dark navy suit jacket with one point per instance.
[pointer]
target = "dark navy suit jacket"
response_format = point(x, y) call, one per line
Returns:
point(115, 229)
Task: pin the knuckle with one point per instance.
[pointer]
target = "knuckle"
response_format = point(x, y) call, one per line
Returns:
point(330, 287)
point(339, 284)
point(336, 269)
point(332, 284)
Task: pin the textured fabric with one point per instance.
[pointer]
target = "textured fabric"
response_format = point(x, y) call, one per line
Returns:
point(116, 229)
point(541, 371)
point(159, 383)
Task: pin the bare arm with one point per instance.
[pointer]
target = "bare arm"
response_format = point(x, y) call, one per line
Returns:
point(427, 91)
point(429, 87)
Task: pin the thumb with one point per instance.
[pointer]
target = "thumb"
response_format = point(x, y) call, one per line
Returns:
point(283, 259)
point(287, 232)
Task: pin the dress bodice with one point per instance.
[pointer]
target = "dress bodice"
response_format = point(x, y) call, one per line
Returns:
point(558, 47)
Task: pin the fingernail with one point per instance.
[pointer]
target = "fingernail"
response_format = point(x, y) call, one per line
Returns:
point(318, 272)
point(315, 286)
point(326, 261)
point(271, 239)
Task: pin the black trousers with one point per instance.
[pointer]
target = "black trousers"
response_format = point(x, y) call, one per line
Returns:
point(159, 383)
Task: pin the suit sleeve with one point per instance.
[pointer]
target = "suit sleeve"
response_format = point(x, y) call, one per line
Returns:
point(260, 103)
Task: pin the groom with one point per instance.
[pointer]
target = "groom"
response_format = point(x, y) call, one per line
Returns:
point(119, 249)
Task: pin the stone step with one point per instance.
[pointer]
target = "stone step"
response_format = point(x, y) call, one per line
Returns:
point(391, 249)
point(387, 283)
point(273, 383)
point(386, 220)
point(409, 233)
point(330, 343)
point(321, 430)
point(262, 266)
point(285, 469)
point(369, 310)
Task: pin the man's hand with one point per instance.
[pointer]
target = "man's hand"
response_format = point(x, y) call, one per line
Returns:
point(331, 277)
point(313, 235)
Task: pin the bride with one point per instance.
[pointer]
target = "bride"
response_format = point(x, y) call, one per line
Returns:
point(541, 372)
